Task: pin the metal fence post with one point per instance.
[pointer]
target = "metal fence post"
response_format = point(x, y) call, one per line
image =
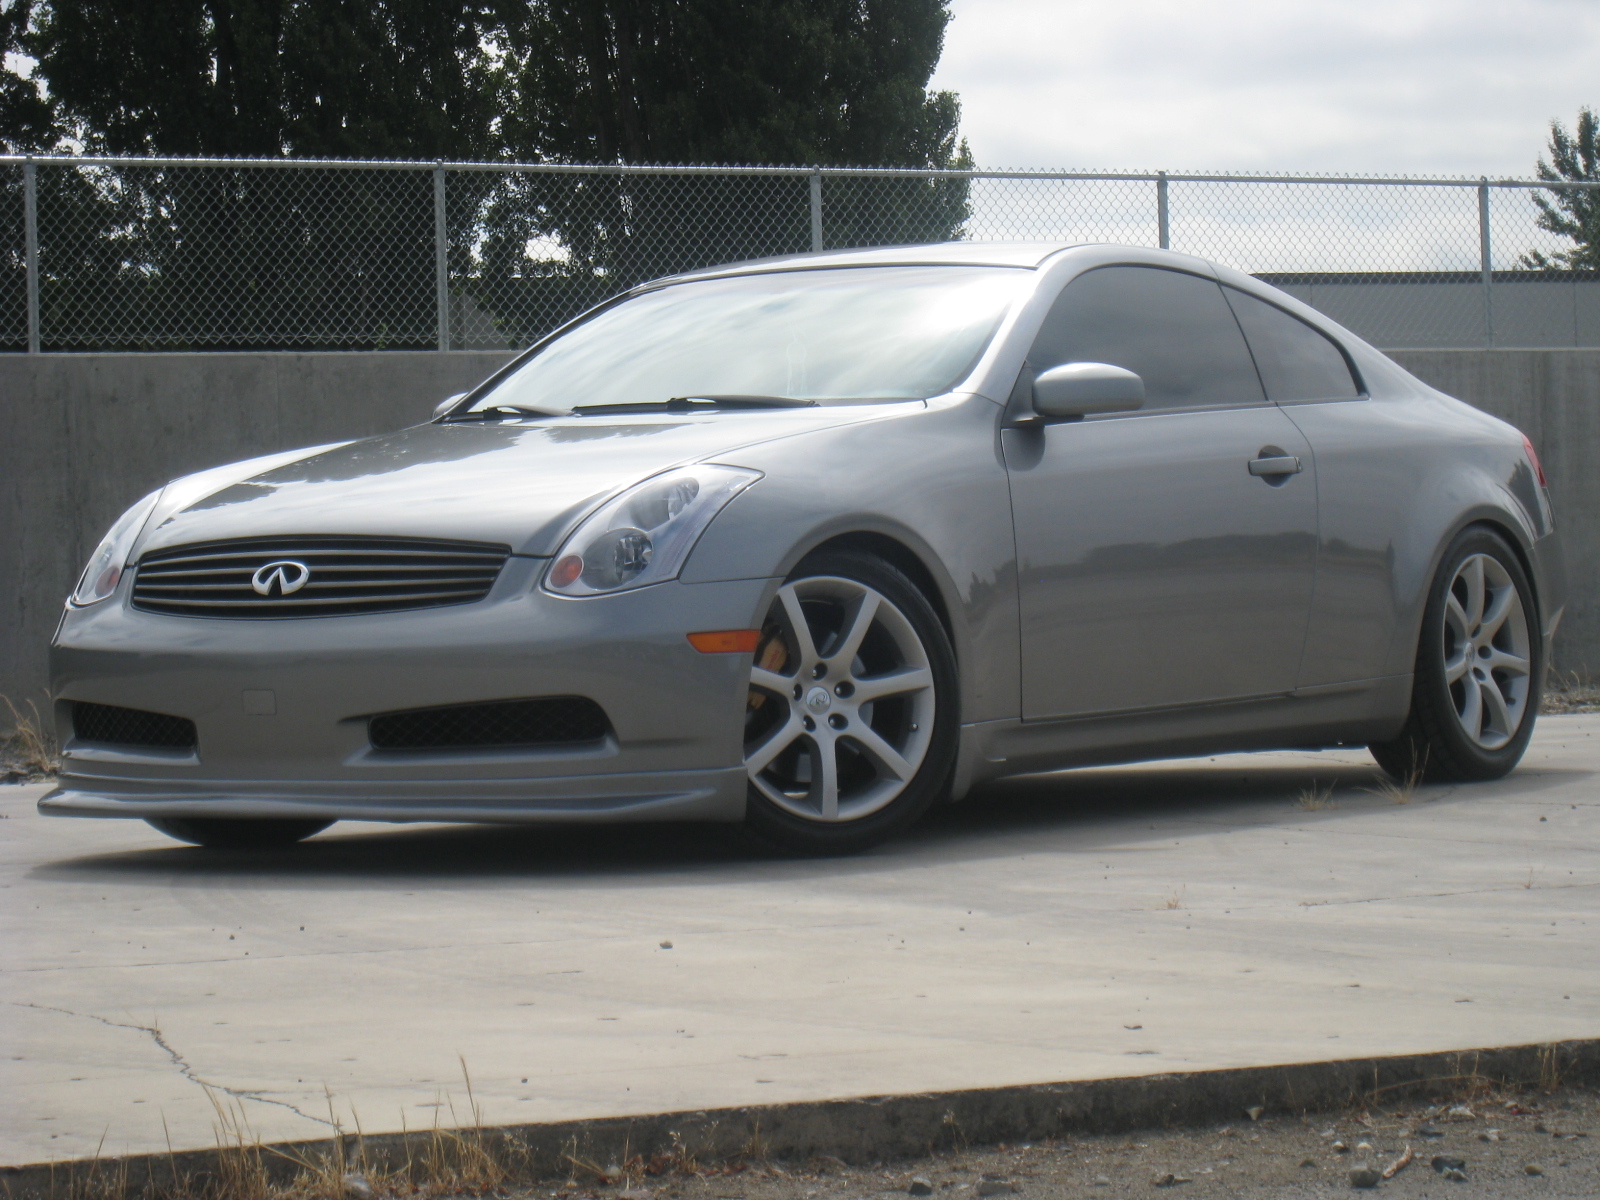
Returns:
point(816, 212)
point(30, 242)
point(1163, 214)
point(441, 259)
point(1486, 263)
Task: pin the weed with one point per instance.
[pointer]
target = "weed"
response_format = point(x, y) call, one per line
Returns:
point(1317, 797)
point(1570, 692)
point(29, 751)
point(1175, 900)
point(1398, 791)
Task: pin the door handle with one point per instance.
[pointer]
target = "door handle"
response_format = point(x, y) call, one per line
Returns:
point(1288, 464)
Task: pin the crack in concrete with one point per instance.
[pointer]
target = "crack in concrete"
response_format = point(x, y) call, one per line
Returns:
point(178, 1060)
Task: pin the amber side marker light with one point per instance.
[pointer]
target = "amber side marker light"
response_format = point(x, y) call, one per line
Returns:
point(726, 641)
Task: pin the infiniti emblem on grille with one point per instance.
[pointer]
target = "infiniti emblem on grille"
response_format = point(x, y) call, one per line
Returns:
point(280, 578)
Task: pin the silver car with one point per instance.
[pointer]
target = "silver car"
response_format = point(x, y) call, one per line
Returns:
point(819, 542)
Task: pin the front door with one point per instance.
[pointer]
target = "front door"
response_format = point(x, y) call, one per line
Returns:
point(1165, 557)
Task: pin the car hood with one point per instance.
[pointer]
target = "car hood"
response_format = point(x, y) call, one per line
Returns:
point(519, 484)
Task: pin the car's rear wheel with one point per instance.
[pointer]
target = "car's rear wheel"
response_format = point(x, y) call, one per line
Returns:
point(238, 833)
point(850, 725)
point(1476, 690)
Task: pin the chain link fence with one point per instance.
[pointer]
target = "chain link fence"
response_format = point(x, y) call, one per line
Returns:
point(103, 254)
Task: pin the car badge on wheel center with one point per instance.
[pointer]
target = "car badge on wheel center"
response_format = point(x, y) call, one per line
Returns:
point(280, 578)
point(818, 700)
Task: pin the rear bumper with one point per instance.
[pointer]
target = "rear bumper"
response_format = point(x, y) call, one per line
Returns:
point(675, 750)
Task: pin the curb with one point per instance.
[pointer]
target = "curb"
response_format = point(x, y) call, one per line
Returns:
point(860, 1130)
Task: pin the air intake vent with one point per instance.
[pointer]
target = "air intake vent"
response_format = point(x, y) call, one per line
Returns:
point(314, 576)
point(116, 726)
point(548, 721)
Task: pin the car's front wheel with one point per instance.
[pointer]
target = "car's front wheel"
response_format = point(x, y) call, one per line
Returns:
point(238, 833)
point(1476, 689)
point(850, 724)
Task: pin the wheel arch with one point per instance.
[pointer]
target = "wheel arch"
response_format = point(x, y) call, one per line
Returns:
point(899, 555)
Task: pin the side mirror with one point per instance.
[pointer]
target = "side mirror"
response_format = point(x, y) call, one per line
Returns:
point(1075, 390)
point(447, 404)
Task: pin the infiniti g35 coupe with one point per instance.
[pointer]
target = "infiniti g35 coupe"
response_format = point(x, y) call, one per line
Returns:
point(816, 543)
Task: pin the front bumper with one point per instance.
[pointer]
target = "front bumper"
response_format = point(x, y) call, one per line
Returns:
point(676, 714)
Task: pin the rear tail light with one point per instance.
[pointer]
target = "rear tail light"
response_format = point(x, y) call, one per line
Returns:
point(1533, 457)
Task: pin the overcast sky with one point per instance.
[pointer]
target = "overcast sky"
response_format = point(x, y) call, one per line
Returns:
point(1381, 86)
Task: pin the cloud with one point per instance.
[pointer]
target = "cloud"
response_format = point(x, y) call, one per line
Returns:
point(1372, 86)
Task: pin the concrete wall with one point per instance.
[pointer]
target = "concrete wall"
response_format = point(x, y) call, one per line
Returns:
point(86, 435)
point(1534, 311)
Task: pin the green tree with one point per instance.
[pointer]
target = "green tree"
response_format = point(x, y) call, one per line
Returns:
point(203, 257)
point(1571, 212)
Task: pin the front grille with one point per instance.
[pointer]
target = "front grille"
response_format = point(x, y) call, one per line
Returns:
point(548, 721)
point(130, 727)
point(343, 575)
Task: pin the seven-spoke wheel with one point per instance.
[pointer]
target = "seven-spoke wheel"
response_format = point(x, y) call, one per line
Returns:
point(850, 717)
point(1476, 687)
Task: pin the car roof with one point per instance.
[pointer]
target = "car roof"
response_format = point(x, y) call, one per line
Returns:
point(984, 254)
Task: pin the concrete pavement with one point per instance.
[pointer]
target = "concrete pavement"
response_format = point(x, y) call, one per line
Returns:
point(1119, 921)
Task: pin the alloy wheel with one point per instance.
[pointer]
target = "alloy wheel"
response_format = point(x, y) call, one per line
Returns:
point(1487, 651)
point(841, 702)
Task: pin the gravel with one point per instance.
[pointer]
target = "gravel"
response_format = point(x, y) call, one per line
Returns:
point(1277, 1157)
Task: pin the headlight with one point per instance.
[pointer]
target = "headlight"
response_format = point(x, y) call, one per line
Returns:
point(644, 535)
point(105, 569)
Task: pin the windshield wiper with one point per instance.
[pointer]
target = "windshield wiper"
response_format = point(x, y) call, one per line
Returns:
point(686, 404)
point(501, 412)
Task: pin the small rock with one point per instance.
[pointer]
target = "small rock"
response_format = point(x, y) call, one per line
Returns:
point(1461, 1113)
point(634, 1194)
point(1168, 1180)
point(1429, 1131)
point(920, 1186)
point(1254, 1112)
point(1489, 1135)
point(357, 1187)
point(1340, 1148)
point(996, 1187)
point(1327, 1133)
point(1363, 1176)
point(1363, 1147)
point(1539, 1127)
point(1443, 1162)
point(1105, 1180)
point(1456, 1175)
point(666, 945)
point(1532, 1169)
point(1308, 1162)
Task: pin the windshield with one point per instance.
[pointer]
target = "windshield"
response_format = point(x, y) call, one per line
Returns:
point(830, 336)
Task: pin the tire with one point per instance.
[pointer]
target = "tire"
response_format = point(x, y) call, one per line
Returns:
point(851, 718)
point(237, 833)
point(1479, 673)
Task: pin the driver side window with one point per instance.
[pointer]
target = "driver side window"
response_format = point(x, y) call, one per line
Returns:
point(1173, 329)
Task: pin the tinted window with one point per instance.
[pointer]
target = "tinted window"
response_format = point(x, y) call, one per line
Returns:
point(1296, 361)
point(1173, 330)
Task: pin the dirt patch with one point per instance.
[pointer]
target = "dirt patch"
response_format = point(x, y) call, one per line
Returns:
point(1545, 1145)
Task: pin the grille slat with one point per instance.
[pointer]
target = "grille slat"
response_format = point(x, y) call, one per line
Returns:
point(546, 721)
point(347, 576)
point(112, 725)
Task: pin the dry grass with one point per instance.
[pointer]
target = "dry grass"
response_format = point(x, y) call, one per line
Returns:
point(28, 752)
point(1317, 797)
point(1569, 692)
point(1398, 791)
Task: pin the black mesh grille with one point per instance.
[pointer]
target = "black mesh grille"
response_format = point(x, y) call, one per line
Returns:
point(548, 721)
point(130, 727)
point(329, 576)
